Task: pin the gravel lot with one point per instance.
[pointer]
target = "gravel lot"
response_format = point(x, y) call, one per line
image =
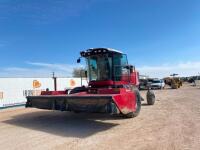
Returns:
point(172, 123)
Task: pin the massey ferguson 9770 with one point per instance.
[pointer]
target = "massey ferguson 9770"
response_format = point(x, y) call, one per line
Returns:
point(112, 87)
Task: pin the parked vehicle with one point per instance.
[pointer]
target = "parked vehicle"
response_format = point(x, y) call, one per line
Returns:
point(157, 84)
point(145, 84)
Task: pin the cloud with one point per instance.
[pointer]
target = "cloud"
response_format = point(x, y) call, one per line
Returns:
point(39, 69)
point(17, 69)
point(189, 68)
point(60, 67)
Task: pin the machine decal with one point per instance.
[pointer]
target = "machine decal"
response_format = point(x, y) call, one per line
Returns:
point(72, 83)
point(36, 84)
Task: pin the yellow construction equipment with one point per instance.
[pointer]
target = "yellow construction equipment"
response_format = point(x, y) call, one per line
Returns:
point(173, 82)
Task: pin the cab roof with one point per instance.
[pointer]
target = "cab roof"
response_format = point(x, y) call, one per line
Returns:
point(95, 51)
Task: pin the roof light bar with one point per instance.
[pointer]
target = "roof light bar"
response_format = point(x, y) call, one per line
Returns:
point(94, 51)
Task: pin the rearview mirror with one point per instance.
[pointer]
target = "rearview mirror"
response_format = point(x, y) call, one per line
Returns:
point(78, 60)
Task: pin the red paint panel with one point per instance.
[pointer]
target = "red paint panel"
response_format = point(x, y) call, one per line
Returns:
point(125, 101)
point(101, 83)
point(134, 78)
point(108, 91)
point(54, 93)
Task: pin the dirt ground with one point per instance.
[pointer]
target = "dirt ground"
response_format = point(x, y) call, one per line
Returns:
point(173, 123)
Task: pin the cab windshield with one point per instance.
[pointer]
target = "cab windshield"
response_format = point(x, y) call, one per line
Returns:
point(107, 67)
point(100, 67)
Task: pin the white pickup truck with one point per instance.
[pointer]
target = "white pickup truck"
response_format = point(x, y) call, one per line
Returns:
point(157, 84)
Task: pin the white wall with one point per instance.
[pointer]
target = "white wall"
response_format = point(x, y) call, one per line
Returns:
point(13, 91)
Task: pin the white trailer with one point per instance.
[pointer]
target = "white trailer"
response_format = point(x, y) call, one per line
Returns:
point(13, 91)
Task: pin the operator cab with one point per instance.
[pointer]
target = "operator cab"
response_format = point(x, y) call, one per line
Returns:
point(107, 67)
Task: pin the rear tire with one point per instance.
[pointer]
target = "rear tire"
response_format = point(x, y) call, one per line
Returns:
point(150, 97)
point(138, 106)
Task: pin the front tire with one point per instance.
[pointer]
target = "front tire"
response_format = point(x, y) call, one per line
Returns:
point(150, 97)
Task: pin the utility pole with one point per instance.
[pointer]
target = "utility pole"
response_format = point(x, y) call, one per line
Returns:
point(81, 71)
point(55, 81)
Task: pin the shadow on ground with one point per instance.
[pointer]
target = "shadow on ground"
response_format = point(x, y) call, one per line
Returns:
point(145, 104)
point(63, 123)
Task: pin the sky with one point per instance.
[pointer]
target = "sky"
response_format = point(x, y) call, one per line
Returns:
point(38, 37)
